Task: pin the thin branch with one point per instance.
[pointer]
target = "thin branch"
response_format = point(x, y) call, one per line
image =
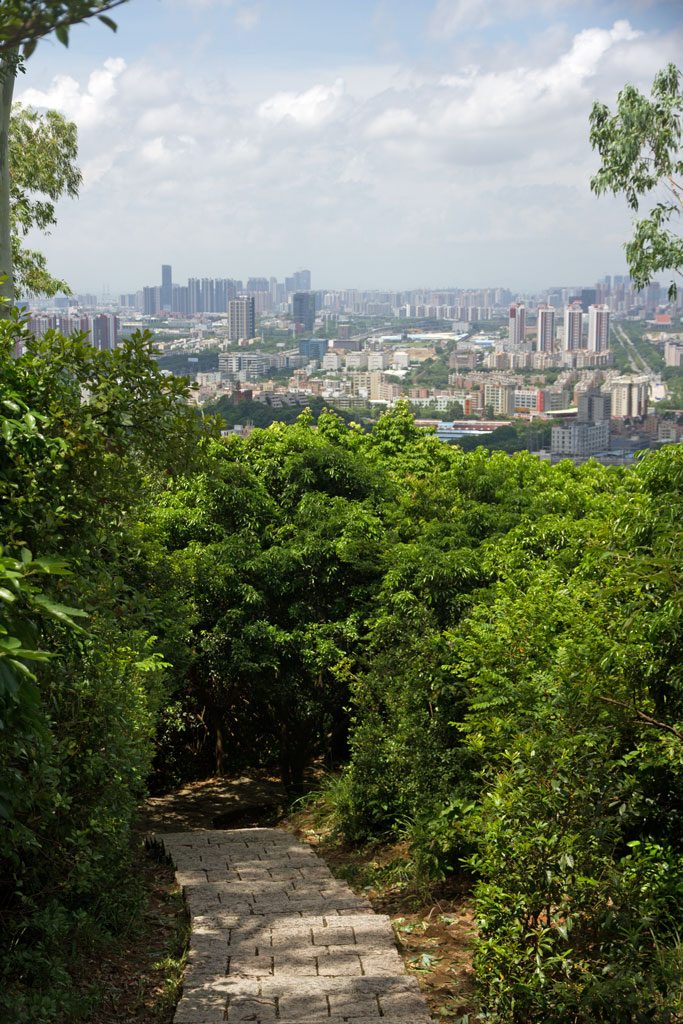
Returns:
point(643, 717)
point(38, 28)
point(675, 188)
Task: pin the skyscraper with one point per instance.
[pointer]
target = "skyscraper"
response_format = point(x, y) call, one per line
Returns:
point(104, 331)
point(573, 327)
point(166, 286)
point(241, 319)
point(150, 300)
point(589, 296)
point(195, 302)
point(517, 325)
point(545, 331)
point(598, 328)
point(303, 309)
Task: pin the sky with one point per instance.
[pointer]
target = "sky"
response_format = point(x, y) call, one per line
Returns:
point(379, 143)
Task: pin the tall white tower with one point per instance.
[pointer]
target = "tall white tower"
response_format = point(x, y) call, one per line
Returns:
point(241, 318)
point(598, 328)
point(517, 325)
point(545, 331)
point(573, 327)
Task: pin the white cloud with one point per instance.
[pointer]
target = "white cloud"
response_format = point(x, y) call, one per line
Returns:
point(156, 151)
point(309, 109)
point(88, 106)
point(457, 171)
point(393, 122)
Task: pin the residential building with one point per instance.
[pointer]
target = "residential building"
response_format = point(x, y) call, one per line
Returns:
point(332, 361)
point(598, 328)
point(150, 301)
point(629, 396)
point(501, 398)
point(379, 360)
point(104, 331)
point(545, 330)
point(241, 319)
point(517, 325)
point(357, 361)
point(573, 327)
point(594, 406)
point(580, 439)
point(673, 353)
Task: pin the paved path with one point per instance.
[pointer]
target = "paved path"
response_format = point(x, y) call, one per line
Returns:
point(276, 938)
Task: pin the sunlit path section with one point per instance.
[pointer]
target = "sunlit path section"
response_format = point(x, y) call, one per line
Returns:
point(276, 938)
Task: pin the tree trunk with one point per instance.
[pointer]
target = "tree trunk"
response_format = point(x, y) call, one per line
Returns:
point(7, 76)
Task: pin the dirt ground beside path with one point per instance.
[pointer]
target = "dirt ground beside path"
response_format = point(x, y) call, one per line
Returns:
point(220, 802)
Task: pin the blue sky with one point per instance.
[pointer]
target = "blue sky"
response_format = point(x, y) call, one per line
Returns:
point(389, 143)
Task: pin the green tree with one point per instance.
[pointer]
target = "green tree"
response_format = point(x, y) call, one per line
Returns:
point(85, 438)
point(22, 24)
point(640, 148)
point(43, 150)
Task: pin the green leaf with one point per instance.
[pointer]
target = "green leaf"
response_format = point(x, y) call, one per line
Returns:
point(108, 22)
point(62, 33)
point(59, 611)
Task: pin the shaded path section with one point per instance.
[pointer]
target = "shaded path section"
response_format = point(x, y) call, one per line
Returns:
point(275, 937)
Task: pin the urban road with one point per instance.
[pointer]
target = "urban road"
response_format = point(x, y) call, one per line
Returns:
point(276, 938)
point(657, 388)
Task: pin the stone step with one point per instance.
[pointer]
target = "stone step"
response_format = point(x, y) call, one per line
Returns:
point(275, 938)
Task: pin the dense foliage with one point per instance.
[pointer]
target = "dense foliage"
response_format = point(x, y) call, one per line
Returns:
point(489, 646)
point(233, 410)
point(85, 438)
point(640, 149)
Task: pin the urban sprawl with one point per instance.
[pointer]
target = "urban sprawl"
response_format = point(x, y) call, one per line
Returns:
point(589, 362)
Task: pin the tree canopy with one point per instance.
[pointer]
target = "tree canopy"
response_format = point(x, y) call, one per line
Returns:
point(640, 149)
point(43, 149)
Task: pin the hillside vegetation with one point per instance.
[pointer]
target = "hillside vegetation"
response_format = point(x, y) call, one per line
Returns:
point(487, 649)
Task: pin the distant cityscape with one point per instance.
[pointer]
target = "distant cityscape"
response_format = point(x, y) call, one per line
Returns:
point(469, 359)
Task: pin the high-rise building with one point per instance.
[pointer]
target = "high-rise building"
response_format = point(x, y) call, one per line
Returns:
point(501, 398)
point(303, 309)
point(313, 348)
point(589, 296)
point(166, 286)
point(629, 396)
point(179, 298)
point(545, 331)
point(517, 325)
point(241, 319)
point(573, 327)
point(598, 328)
point(150, 301)
point(208, 296)
point(104, 331)
point(195, 302)
point(594, 406)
